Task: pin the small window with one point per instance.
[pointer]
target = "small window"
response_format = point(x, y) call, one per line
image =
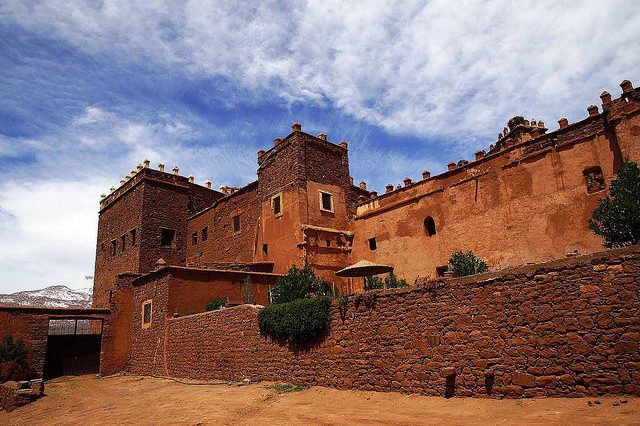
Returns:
point(265, 249)
point(133, 236)
point(123, 242)
point(373, 245)
point(326, 201)
point(194, 238)
point(146, 313)
point(275, 205)
point(167, 236)
point(430, 226)
point(236, 224)
point(205, 233)
point(114, 245)
point(328, 243)
point(594, 179)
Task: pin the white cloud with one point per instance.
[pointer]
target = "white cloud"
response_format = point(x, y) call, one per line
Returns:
point(48, 233)
point(431, 68)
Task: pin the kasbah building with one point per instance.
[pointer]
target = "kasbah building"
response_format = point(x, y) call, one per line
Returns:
point(166, 246)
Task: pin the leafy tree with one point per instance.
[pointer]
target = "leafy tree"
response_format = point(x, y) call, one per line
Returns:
point(299, 283)
point(391, 281)
point(215, 304)
point(617, 217)
point(13, 350)
point(463, 264)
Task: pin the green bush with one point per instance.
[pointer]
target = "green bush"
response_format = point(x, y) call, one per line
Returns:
point(391, 281)
point(463, 264)
point(13, 350)
point(617, 218)
point(287, 388)
point(299, 283)
point(215, 304)
point(297, 321)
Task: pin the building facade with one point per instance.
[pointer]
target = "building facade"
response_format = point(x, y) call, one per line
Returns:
point(526, 200)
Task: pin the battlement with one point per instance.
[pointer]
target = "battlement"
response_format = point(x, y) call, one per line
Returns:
point(296, 128)
point(142, 172)
point(529, 137)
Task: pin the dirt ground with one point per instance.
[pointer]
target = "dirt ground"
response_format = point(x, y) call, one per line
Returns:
point(144, 400)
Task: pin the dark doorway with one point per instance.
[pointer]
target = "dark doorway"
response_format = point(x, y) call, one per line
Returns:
point(73, 347)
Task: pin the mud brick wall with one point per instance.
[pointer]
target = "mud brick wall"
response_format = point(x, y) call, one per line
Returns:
point(222, 244)
point(564, 328)
point(29, 326)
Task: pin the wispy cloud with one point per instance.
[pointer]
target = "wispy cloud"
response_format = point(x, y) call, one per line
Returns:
point(90, 89)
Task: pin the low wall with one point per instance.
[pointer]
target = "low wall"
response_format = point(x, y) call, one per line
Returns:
point(564, 328)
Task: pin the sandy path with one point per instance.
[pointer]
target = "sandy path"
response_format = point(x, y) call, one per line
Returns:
point(141, 400)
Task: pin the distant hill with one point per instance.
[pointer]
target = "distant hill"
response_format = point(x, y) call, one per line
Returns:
point(57, 296)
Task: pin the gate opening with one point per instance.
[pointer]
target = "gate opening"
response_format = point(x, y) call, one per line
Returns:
point(73, 347)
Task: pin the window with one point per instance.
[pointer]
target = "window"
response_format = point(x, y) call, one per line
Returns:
point(265, 249)
point(194, 238)
point(205, 233)
point(275, 205)
point(430, 226)
point(133, 236)
point(236, 223)
point(146, 313)
point(114, 245)
point(166, 237)
point(328, 243)
point(594, 179)
point(373, 245)
point(326, 201)
point(123, 242)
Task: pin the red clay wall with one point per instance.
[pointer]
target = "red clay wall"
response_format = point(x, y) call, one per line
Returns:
point(32, 328)
point(223, 244)
point(148, 202)
point(569, 327)
point(527, 203)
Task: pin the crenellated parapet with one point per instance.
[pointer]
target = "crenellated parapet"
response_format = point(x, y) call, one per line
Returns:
point(531, 137)
point(144, 171)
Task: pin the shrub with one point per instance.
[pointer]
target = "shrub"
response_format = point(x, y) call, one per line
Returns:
point(373, 282)
point(13, 360)
point(463, 264)
point(215, 304)
point(246, 292)
point(13, 350)
point(391, 281)
point(299, 283)
point(616, 218)
point(287, 388)
point(297, 321)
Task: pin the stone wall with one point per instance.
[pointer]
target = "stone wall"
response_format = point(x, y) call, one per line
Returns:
point(563, 328)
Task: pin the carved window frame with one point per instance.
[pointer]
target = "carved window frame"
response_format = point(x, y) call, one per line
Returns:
point(320, 194)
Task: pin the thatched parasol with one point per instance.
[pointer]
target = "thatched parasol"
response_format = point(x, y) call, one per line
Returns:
point(364, 268)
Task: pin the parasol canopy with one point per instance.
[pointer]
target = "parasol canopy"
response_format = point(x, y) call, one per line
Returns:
point(364, 268)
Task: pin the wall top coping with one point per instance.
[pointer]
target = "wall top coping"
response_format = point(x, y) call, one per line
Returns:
point(56, 311)
point(144, 279)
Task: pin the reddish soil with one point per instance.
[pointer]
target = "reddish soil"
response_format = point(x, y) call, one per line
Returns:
point(143, 400)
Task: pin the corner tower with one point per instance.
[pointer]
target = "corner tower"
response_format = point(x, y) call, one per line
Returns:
point(307, 202)
point(143, 220)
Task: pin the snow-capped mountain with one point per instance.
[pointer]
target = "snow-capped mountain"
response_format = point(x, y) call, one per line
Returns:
point(57, 296)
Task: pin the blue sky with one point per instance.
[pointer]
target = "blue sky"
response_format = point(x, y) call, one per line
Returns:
point(91, 88)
